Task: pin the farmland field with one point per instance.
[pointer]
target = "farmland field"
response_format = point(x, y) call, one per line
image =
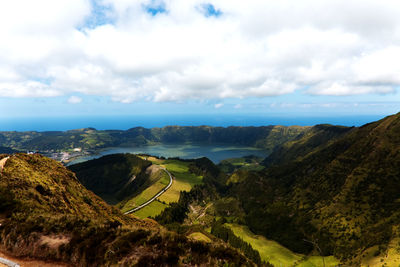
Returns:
point(276, 254)
point(184, 180)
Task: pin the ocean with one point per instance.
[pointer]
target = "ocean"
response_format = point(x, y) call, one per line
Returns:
point(150, 121)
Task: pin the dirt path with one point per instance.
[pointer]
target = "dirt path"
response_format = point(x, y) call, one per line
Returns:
point(2, 163)
point(204, 211)
point(8, 263)
point(31, 262)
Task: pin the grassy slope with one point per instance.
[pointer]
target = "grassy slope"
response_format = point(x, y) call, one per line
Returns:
point(184, 181)
point(44, 188)
point(40, 198)
point(159, 180)
point(152, 210)
point(348, 187)
point(275, 253)
point(250, 163)
point(390, 258)
point(200, 237)
point(315, 137)
point(110, 177)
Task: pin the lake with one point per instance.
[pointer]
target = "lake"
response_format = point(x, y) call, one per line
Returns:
point(150, 121)
point(215, 152)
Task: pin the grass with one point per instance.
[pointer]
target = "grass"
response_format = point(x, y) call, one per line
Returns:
point(276, 254)
point(183, 181)
point(151, 210)
point(200, 237)
point(371, 257)
point(147, 194)
point(249, 163)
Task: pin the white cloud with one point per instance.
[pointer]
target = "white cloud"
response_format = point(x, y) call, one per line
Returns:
point(74, 100)
point(218, 105)
point(254, 49)
point(238, 106)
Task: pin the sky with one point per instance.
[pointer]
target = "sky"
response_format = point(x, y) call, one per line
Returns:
point(124, 57)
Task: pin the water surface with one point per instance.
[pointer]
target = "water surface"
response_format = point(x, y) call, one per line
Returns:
point(150, 121)
point(215, 152)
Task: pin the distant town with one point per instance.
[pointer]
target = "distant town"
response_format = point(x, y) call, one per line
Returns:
point(63, 156)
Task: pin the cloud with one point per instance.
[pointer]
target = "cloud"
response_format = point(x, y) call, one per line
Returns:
point(218, 105)
point(179, 50)
point(238, 106)
point(74, 100)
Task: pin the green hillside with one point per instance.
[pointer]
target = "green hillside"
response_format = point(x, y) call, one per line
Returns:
point(332, 191)
point(327, 191)
point(343, 193)
point(46, 213)
point(266, 137)
point(313, 138)
point(276, 254)
point(113, 177)
point(127, 180)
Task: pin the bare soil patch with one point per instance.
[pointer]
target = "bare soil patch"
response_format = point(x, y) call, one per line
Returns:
point(32, 262)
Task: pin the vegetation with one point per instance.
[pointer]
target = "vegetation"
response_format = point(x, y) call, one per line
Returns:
point(184, 180)
point(113, 177)
point(328, 195)
point(200, 237)
point(266, 137)
point(249, 163)
point(128, 181)
point(342, 195)
point(7, 150)
point(314, 138)
point(277, 254)
point(146, 194)
point(325, 190)
point(42, 201)
point(226, 234)
point(151, 210)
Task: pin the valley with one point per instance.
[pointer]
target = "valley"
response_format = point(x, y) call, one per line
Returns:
point(325, 197)
point(276, 254)
point(53, 205)
point(175, 133)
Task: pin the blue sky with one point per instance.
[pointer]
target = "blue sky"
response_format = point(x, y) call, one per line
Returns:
point(295, 104)
point(81, 57)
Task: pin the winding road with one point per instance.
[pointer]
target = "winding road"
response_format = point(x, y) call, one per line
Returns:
point(156, 195)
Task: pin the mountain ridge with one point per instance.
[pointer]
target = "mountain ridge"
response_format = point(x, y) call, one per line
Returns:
point(343, 193)
point(266, 137)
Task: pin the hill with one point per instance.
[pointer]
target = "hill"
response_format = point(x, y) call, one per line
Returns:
point(46, 213)
point(127, 180)
point(266, 137)
point(332, 191)
point(112, 177)
point(313, 138)
point(340, 194)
